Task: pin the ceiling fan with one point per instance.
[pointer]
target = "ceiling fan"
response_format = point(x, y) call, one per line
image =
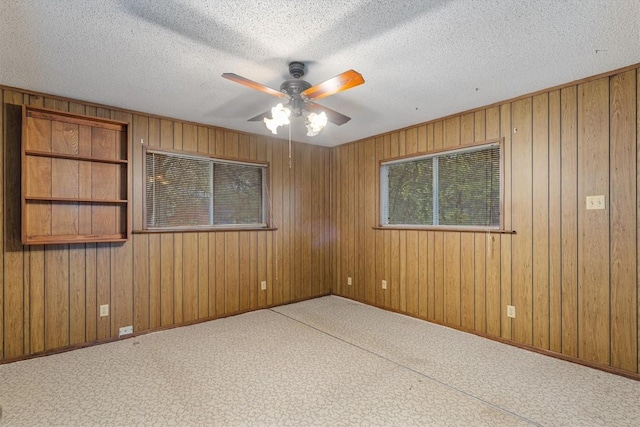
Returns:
point(299, 98)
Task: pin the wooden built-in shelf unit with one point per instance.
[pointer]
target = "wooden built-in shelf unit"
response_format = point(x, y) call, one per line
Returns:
point(75, 178)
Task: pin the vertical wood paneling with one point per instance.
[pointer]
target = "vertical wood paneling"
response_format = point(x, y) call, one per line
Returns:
point(91, 292)
point(285, 243)
point(122, 263)
point(56, 297)
point(623, 214)
point(593, 225)
point(522, 221)
point(480, 281)
point(451, 273)
point(189, 268)
point(467, 289)
point(506, 129)
point(386, 253)
point(77, 306)
point(393, 285)
point(275, 186)
point(244, 243)
point(37, 297)
point(141, 283)
point(141, 289)
point(202, 299)
point(438, 273)
point(493, 242)
point(304, 231)
point(370, 215)
point(103, 288)
point(379, 237)
point(232, 271)
point(540, 219)
point(2, 218)
point(569, 218)
point(555, 232)
point(13, 295)
point(352, 201)
point(637, 219)
point(402, 277)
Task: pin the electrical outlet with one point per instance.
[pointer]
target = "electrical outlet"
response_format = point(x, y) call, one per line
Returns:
point(511, 311)
point(349, 281)
point(595, 202)
point(384, 284)
point(104, 310)
point(125, 330)
point(263, 285)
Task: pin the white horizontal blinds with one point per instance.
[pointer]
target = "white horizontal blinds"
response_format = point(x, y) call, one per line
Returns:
point(237, 194)
point(469, 188)
point(460, 187)
point(191, 191)
point(178, 191)
point(410, 192)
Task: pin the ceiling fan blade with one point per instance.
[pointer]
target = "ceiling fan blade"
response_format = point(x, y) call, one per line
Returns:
point(332, 115)
point(254, 85)
point(260, 117)
point(334, 85)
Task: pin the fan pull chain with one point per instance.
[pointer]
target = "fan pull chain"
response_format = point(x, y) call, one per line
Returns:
point(289, 146)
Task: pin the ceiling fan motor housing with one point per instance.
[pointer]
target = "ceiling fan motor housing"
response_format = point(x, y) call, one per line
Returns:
point(297, 69)
point(293, 88)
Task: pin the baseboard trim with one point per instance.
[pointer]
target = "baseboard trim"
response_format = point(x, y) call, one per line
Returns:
point(556, 355)
point(149, 331)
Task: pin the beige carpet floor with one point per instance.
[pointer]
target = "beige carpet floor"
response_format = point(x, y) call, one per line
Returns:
point(326, 362)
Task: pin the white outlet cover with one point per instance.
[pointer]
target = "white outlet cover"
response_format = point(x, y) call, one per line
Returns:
point(104, 310)
point(263, 285)
point(125, 330)
point(384, 284)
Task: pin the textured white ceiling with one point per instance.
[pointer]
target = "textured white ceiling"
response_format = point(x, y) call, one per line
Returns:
point(421, 59)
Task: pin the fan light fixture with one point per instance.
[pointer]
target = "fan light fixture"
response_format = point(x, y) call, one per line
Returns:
point(280, 117)
point(315, 123)
point(300, 97)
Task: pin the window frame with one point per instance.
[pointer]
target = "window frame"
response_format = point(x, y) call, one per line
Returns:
point(266, 192)
point(383, 186)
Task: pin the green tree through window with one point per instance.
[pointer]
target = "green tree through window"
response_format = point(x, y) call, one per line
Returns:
point(191, 191)
point(459, 188)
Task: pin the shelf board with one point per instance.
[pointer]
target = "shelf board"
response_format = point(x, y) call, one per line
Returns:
point(73, 238)
point(75, 200)
point(74, 157)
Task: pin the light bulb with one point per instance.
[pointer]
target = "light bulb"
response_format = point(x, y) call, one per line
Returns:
point(316, 122)
point(280, 117)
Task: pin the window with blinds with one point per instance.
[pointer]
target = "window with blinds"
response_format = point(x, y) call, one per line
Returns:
point(189, 191)
point(455, 188)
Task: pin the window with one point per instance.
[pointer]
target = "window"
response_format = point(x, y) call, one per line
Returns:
point(456, 188)
point(190, 191)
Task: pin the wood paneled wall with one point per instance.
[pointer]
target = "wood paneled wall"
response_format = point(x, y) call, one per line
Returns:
point(572, 274)
point(50, 295)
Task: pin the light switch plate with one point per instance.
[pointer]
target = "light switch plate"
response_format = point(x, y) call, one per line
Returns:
point(595, 202)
